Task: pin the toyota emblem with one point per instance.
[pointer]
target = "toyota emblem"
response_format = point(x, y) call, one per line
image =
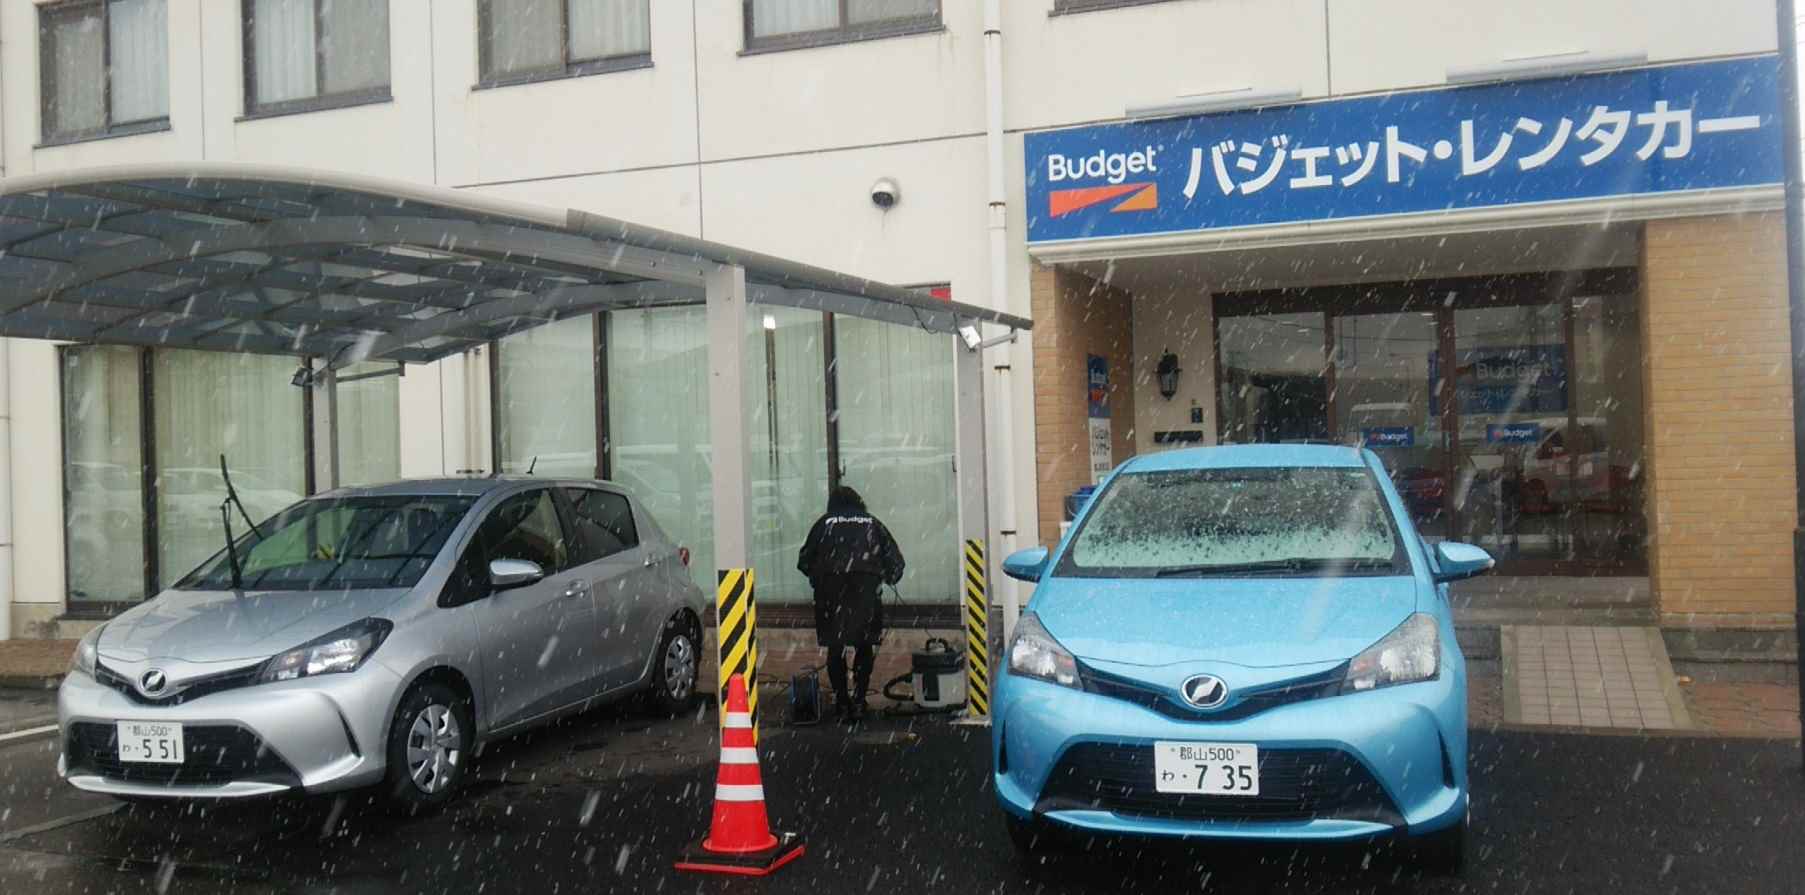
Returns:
point(1205, 691)
point(153, 682)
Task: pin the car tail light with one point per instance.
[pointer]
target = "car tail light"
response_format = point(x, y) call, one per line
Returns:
point(683, 554)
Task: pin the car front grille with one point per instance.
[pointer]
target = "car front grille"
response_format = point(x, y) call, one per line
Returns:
point(212, 754)
point(1295, 785)
point(190, 691)
point(1246, 703)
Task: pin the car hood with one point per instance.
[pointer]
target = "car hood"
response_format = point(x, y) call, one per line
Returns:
point(1253, 622)
point(217, 626)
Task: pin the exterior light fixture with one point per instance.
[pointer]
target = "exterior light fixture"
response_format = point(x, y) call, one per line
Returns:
point(303, 378)
point(969, 334)
point(1168, 375)
point(1216, 101)
point(1545, 66)
point(770, 322)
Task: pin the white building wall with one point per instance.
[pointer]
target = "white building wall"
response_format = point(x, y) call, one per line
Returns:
point(776, 151)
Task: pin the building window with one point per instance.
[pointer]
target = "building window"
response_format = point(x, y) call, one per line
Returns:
point(786, 24)
point(302, 55)
point(143, 431)
point(104, 68)
point(532, 40)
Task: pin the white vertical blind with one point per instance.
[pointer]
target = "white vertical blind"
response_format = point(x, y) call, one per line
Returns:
point(138, 44)
point(897, 440)
point(863, 11)
point(603, 28)
point(524, 35)
point(78, 50)
point(786, 444)
point(206, 404)
point(282, 39)
point(355, 44)
point(369, 426)
point(658, 423)
point(103, 471)
point(547, 394)
point(771, 17)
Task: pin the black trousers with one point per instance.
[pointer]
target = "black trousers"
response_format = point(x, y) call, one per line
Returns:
point(864, 658)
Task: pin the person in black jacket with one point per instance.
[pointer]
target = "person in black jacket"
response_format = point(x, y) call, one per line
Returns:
point(848, 557)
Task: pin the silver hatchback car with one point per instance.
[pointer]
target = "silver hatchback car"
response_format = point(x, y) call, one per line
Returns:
point(378, 636)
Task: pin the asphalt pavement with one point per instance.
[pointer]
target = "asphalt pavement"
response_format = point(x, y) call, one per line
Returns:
point(603, 804)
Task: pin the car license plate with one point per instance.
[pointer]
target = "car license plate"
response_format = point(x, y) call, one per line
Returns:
point(1207, 769)
point(156, 742)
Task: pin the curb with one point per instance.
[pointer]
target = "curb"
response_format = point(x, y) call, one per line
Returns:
point(34, 682)
point(14, 727)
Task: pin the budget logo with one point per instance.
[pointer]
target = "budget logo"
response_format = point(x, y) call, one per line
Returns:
point(1114, 169)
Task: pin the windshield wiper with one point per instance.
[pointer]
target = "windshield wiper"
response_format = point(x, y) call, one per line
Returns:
point(1291, 564)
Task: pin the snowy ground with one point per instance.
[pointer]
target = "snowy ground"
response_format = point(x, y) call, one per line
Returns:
point(603, 804)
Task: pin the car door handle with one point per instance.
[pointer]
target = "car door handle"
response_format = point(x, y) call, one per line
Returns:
point(576, 589)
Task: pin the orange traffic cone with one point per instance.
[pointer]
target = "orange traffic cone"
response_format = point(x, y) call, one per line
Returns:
point(739, 838)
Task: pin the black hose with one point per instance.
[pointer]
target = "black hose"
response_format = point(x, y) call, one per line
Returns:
point(897, 681)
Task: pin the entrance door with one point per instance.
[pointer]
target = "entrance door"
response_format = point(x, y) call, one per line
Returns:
point(1384, 396)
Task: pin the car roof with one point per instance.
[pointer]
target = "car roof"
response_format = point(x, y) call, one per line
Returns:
point(1249, 456)
point(458, 486)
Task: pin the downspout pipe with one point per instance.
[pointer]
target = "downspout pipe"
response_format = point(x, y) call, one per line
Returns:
point(6, 491)
point(997, 226)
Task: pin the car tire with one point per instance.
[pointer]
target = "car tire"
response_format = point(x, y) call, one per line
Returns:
point(675, 668)
point(429, 748)
point(1444, 852)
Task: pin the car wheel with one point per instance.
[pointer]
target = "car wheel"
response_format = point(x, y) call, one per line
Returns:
point(1444, 851)
point(428, 748)
point(674, 669)
point(1034, 840)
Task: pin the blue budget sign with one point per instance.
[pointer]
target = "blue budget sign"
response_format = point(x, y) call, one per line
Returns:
point(1661, 129)
point(1389, 436)
point(1096, 386)
point(1513, 433)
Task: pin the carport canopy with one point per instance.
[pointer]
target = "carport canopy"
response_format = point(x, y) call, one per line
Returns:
point(343, 269)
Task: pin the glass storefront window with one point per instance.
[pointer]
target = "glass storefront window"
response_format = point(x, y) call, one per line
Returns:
point(658, 423)
point(897, 442)
point(208, 404)
point(369, 425)
point(786, 444)
point(1609, 469)
point(545, 399)
point(1386, 398)
point(1272, 383)
point(103, 474)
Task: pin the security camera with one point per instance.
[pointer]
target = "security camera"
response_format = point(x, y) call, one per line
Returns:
point(885, 193)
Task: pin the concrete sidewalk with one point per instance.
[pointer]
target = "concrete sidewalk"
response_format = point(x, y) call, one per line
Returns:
point(34, 664)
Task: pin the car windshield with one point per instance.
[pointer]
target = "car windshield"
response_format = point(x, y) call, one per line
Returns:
point(1285, 520)
point(354, 542)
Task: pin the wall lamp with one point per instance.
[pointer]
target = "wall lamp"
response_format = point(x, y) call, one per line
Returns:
point(975, 341)
point(1545, 66)
point(1215, 101)
point(1168, 371)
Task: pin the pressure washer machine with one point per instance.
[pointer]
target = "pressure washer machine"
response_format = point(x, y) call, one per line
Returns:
point(936, 677)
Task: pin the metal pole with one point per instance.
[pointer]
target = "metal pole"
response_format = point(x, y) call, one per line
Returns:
point(1795, 291)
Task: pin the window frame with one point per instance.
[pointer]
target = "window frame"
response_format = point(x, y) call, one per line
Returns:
point(320, 100)
point(48, 15)
point(567, 67)
point(843, 33)
point(1073, 7)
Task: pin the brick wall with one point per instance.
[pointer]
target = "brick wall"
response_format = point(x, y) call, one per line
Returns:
point(1719, 410)
point(1075, 316)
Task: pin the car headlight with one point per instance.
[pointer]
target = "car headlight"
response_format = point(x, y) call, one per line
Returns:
point(1034, 653)
point(1410, 653)
point(87, 653)
point(340, 651)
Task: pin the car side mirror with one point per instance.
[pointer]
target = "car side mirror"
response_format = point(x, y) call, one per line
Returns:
point(505, 574)
point(1455, 561)
point(1026, 565)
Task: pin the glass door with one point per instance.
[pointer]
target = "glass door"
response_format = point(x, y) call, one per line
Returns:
point(1386, 397)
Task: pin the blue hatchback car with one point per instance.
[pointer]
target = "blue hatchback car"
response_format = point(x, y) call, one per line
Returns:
point(1238, 643)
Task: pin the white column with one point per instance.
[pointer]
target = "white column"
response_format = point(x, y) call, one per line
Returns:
point(6, 491)
point(727, 315)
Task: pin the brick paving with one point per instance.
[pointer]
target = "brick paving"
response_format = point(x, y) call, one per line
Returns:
point(25, 660)
point(1745, 709)
point(1574, 676)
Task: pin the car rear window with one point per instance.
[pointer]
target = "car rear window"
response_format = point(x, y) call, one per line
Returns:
point(1258, 521)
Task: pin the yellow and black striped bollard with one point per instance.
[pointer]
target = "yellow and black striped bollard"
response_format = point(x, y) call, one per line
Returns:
point(977, 632)
point(736, 615)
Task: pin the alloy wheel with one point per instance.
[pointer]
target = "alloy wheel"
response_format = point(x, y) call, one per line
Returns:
point(434, 748)
point(680, 667)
